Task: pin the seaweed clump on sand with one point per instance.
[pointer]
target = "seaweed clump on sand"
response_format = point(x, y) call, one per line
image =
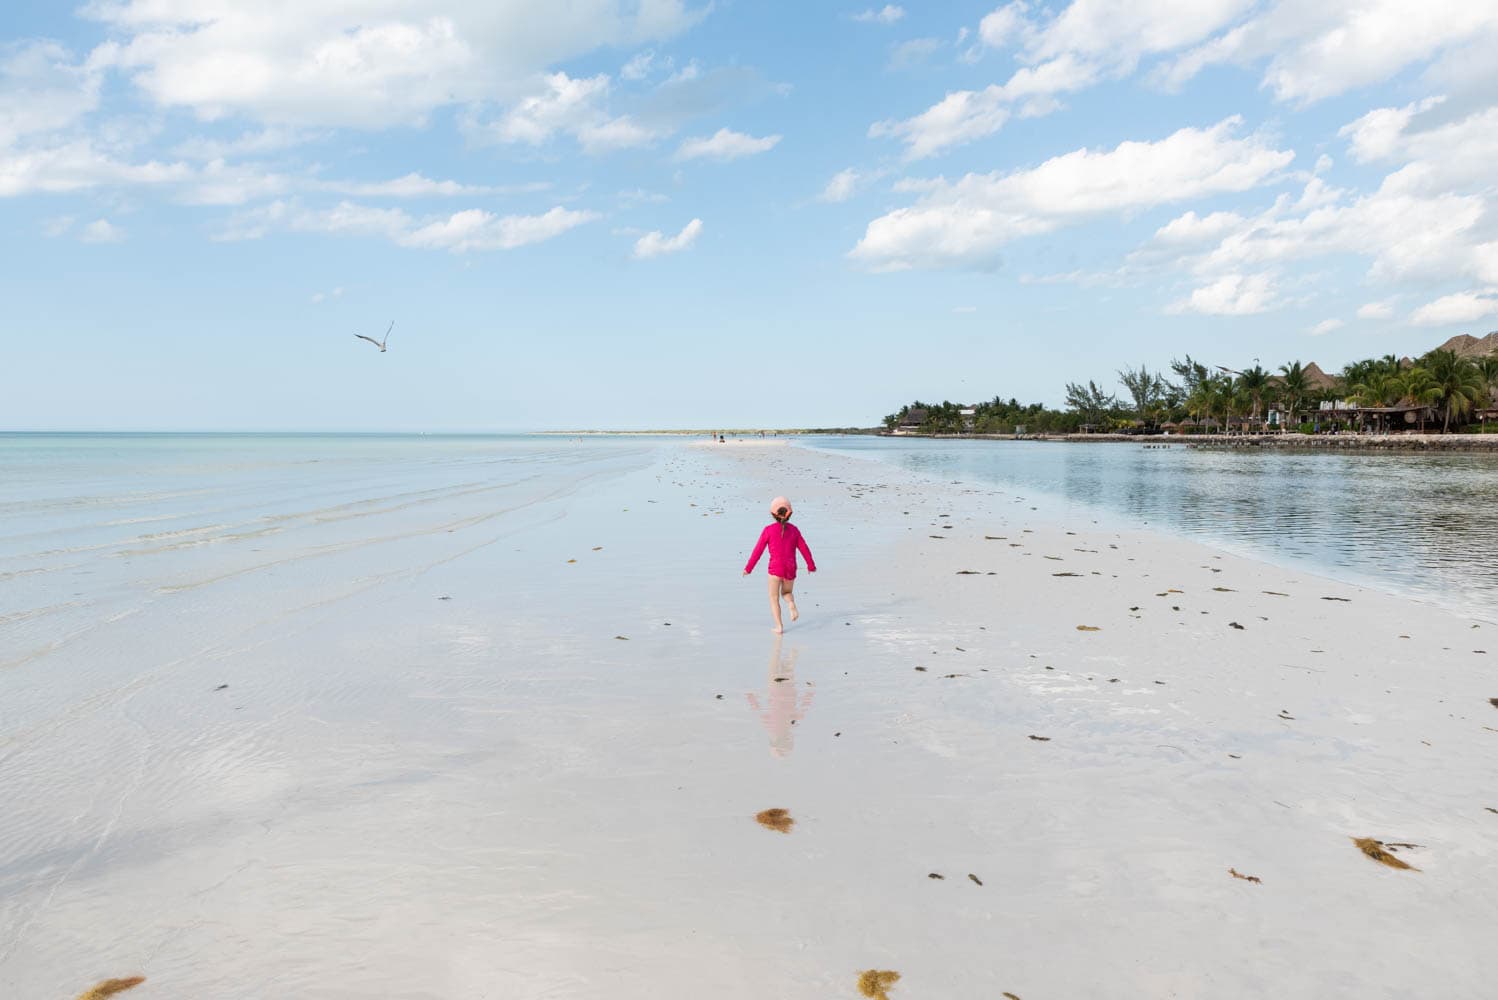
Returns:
point(1375, 850)
point(110, 987)
point(775, 819)
point(875, 983)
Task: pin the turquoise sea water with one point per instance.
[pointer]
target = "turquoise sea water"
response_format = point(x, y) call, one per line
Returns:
point(1416, 524)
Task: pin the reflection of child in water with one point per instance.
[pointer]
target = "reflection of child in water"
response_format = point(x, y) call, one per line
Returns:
point(784, 708)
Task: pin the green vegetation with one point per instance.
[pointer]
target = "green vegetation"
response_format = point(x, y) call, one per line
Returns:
point(1441, 390)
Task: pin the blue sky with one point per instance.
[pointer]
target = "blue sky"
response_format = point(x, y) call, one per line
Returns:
point(663, 213)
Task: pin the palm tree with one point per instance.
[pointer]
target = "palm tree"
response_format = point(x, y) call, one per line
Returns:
point(1294, 386)
point(1418, 388)
point(1460, 382)
point(1253, 381)
point(1488, 368)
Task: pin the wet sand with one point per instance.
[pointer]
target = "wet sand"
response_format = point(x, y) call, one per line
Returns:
point(1014, 755)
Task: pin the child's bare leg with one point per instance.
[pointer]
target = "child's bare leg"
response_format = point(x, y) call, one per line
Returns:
point(790, 598)
point(775, 583)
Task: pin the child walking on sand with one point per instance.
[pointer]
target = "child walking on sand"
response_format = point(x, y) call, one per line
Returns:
point(783, 540)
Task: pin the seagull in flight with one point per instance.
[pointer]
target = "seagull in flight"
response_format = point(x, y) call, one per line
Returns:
point(378, 343)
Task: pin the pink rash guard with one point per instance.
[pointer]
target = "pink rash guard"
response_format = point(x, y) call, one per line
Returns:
point(782, 546)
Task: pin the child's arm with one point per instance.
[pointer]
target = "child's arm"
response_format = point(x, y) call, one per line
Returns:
point(759, 549)
point(811, 564)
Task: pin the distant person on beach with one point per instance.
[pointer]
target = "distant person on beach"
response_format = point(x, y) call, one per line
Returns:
point(783, 539)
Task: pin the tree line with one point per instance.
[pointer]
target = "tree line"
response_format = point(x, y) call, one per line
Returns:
point(1194, 397)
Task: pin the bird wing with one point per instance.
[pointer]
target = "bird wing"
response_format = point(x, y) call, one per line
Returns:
point(370, 339)
point(387, 333)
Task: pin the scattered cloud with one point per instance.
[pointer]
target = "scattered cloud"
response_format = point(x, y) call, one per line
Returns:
point(888, 14)
point(655, 244)
point(842, 186)
point(571, 106)
point(101, 231)
point(1318, 52)
point(963, 223)
point(360, 63)
point(1229, 295)
point(1377, 310)
point(1325, 326)
point(912, 53)
point(320, 297)
point(725, 144)
point(1461, 307)
point(459, 232)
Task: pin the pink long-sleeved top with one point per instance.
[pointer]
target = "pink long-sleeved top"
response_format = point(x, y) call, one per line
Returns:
point(783, 546)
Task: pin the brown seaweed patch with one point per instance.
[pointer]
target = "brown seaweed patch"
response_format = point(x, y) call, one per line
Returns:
point(1041, 739)
point(110, 987)
point(1375, 850)
point(1011, 996)
point(937, 875)
point(1088, 628)
point(968, 572)
point(1275, 593)
point(1225, 590)
point(1344, 600)
point(976, 879)
point(1493, 702)
point(775, 819)
point(875, 983)
point(995, 538)
point(1247, 878)
point(1066, 574)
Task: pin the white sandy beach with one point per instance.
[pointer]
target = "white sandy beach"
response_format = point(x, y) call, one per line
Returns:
point(510, 743)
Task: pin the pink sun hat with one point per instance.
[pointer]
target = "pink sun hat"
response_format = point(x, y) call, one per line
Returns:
point(777, 504)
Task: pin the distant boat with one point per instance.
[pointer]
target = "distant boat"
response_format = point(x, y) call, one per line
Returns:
point(378, 343)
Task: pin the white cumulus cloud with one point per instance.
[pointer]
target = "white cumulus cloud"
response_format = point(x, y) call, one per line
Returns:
point(654, 244)
point(1229, 295)
point(725, 144)
point(1325, 326)
point(102, 231)
point(1461, 307)
point(1376, 310)
point(888, 14)
point(963, 223)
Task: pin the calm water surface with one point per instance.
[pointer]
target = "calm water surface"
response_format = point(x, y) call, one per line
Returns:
point(1424, 525)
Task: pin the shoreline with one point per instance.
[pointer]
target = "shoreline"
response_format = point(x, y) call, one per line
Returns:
point(1331, 442)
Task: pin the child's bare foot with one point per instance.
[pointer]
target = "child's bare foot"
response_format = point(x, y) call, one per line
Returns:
point(778, 630)
point(794, 613)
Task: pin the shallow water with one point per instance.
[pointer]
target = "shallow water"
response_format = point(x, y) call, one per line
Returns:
point(1416, 524)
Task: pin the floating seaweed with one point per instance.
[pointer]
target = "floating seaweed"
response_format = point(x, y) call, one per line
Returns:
point(1344, 600)
point(1041, 739)
point(1088, 628)
point(1235, 625)
point(1493, 702)
point(1066, 574)
point(1375, 850)
point(968, 572)
point(1011, 996)
point(976, 879)
point(775, 819)
point(875, 983)
point(937, 875)
point(1275, 593)
point(1225, 590)
point(1247, 878)
point(110, 987)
